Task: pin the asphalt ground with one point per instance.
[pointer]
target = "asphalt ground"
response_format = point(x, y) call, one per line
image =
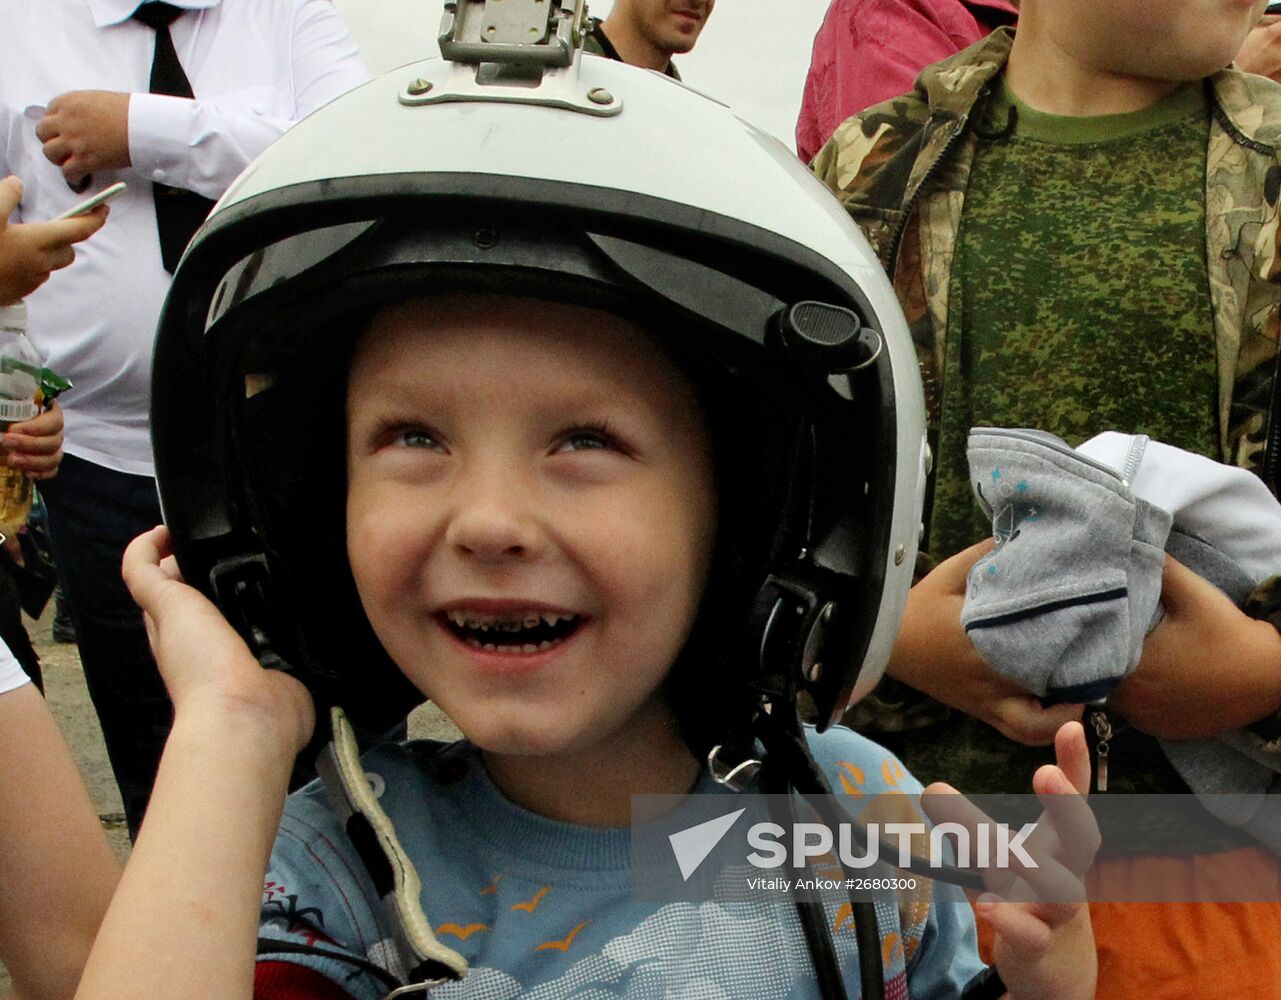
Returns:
point(69, 702)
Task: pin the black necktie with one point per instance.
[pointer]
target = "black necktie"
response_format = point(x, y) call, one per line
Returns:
point(179, 213)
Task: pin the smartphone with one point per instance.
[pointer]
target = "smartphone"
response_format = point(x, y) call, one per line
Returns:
point(89, 204)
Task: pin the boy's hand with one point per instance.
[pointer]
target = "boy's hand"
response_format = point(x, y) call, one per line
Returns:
point(933, 654)
point(85, 131)
point(30, 251)
point(35, 445)
point(205, 665)
point(1043, 949)
point(1207, 668)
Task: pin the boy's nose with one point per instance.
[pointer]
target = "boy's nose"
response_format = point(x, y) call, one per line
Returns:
point(494, 523)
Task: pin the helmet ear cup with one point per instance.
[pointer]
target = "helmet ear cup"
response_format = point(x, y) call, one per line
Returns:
point(291, 441)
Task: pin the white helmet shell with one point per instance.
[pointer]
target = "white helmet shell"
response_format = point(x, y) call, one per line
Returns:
point(668, 145)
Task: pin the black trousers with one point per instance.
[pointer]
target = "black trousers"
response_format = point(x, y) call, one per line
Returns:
point(94, 512)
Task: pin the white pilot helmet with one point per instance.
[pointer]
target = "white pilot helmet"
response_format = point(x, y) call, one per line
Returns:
point(595, 182)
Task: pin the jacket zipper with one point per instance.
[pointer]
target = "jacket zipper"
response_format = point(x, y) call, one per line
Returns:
point(1270, 471)
point(1102, 726)
point(961, 122)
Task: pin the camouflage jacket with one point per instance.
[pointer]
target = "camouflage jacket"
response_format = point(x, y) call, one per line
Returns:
point(901, 169)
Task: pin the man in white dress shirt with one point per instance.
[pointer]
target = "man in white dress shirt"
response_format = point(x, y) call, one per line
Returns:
point(79, 109)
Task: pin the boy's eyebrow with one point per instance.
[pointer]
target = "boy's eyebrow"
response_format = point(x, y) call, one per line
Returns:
point(393, 392)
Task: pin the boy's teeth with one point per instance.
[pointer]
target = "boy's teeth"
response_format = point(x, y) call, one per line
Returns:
point(492, 647)
point(502, 624)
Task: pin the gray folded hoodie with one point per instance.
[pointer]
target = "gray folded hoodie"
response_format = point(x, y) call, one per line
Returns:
point(1063, 602)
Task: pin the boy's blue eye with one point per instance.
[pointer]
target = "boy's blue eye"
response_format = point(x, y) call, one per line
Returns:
point(417, 437)
point(586, 439)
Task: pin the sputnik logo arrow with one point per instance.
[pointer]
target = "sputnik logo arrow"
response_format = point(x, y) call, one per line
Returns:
point(692, 846)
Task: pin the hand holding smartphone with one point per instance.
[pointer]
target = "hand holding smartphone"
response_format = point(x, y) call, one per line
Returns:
point(89, 204)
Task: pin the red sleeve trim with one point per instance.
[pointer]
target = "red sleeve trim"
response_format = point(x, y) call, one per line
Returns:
point(286, 981)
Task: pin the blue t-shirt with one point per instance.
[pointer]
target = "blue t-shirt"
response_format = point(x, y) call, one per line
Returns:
point(545, 909)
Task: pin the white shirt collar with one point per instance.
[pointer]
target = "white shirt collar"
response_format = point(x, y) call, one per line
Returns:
point(109, 12)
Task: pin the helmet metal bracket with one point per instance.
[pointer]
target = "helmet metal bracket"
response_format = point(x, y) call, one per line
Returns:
point(542, 32)
point(513, 52)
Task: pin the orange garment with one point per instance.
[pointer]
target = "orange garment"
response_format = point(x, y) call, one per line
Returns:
point(1184, 951)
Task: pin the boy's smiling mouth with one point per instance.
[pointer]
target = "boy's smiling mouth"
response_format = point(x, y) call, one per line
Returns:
point(515, 631)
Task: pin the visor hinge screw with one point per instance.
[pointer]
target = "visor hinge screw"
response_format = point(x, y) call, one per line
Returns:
point(815, 672)
point(899, 554)
point(419, 87)
point(599, 95)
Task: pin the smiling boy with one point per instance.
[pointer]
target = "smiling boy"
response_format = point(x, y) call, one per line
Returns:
point(598, 443)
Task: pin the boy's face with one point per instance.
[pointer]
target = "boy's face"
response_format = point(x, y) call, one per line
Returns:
point(530, 515)
point(1173, 40)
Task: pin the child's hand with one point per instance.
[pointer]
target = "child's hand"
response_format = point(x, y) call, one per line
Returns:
point(205, 664)
point(933, 654)
point(1044, 947)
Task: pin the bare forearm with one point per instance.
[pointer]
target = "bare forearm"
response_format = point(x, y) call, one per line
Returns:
point(184, 920)
point(1187, 687)
point(56, 868)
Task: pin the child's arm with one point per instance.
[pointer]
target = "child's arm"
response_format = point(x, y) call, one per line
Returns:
point(184, 920)
point(1043, 950)
point(56, 868)
point(1206, 669)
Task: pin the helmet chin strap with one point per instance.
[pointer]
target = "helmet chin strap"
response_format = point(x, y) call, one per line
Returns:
point(424, 961)
point(790, 769)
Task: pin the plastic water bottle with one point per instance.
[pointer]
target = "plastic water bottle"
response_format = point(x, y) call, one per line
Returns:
point(20, 399)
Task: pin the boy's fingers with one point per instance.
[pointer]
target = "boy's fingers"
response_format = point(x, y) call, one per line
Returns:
point(1048, 881)
point(1012, 921)
point(944, 804)
point(1075, 837)
point(1073, 755)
